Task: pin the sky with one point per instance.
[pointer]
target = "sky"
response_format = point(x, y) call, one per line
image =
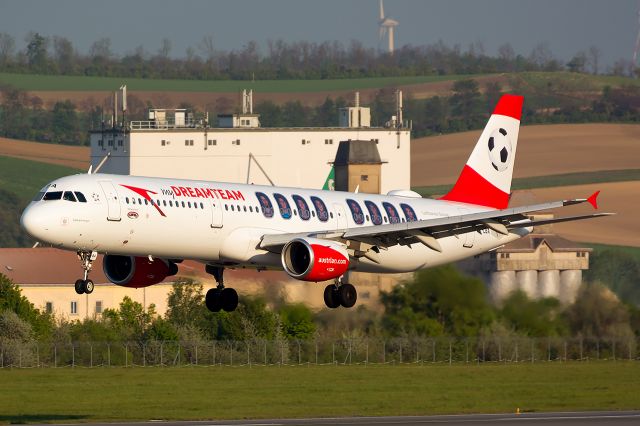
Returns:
point(567, 25)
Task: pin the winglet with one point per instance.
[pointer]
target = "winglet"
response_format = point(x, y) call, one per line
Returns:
point(593, 199)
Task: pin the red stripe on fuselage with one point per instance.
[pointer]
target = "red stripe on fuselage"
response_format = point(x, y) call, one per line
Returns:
point(471, 188)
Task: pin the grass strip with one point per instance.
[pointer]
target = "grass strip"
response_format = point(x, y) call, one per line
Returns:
point(34, 82)
point(119, 394)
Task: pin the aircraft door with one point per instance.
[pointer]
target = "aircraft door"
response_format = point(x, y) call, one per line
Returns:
point(216, 214)
point(340, 216)
point(113, 203)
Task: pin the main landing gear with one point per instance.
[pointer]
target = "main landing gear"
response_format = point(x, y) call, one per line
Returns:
point(85, 285)
point(221, 297)
point(339, 294)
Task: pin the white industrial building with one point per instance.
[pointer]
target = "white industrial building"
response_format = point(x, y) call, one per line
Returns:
point(172, 144)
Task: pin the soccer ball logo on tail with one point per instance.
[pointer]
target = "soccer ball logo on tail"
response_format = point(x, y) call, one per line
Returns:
point(500, 149)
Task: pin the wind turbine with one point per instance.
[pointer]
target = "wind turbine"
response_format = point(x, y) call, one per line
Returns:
point(387, 26)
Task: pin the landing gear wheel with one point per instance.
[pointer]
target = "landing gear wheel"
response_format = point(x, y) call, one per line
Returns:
point(79, 286)
point(88, 286)
point(212, 300)
point(229, 299)
point(348, 295)
point(331, 296)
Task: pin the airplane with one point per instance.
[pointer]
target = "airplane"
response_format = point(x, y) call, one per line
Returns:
point(145, 226)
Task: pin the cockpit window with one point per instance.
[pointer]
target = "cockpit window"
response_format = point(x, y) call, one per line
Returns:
point(53, 195)
point(80, 197)
point(38, 196)
point(68, 196)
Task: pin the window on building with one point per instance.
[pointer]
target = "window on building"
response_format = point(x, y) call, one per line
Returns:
point(302, 206)
point(120, 143)
point(283, 206)
point(98, 306)
point(356, 211)
point(48, 307)
point(212, 142)
point(328, 141)
point(163, 142)
point(74, 308)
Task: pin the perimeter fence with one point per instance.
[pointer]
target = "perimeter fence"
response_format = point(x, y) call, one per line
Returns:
point(365, 351)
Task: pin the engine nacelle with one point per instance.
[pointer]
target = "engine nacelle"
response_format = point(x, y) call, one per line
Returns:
point(136, 272)
point(313, 259)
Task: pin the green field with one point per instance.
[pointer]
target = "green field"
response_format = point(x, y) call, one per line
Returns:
point(68, 395)
point(25, 178)
point(602, 176)
point(34, 82)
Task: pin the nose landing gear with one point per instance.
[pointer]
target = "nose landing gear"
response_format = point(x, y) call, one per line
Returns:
point(85, 285)
point(340, 294)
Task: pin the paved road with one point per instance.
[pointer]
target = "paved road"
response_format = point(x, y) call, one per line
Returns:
point(617, 418)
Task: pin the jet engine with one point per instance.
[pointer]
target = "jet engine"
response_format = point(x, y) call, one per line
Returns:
point(313, 259)
point(136, 272)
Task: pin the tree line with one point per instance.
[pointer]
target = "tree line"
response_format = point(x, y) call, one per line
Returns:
point(435, 303)
point(277, 59)
point(23, 116)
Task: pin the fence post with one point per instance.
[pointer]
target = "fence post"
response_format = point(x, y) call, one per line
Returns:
point(548, 349)
point(384, 351)
point(533, 341)
point(466, 349)
point(598, 349)
point(55, 356)
point(38, 355)
point(316, 342)
point(581, 357)
point(433, 349)
point(161, 353)
point(126, 356)
point(214, 352)
point(516, 350)
point(144, 354)
point(73, 356)
point(233, 346)
point(299, 353)
point(20, 357)
point(265, 352)
point(366, 360)
point(499, 350)
point(484, 355)
point(449, 351)
point(565, 350)
point(196, 354)
point(109, 354)
point(90, 355)
point(333, 352)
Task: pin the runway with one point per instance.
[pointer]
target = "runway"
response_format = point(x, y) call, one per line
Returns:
point(547, 419)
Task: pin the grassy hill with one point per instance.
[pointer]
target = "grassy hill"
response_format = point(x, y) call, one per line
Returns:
point(20, 180)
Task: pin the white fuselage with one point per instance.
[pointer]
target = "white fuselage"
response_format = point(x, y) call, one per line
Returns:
point(222, 223)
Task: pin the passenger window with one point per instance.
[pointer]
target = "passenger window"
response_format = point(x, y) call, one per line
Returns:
point(283, 206)
point(265, 204)
point(374, 211)
point(68, 196)
point(170, 203)
point(183, 204)
point(409, 213)
point(302, 206)
point(321, 209)
point(391, 212)
point(54, 195)
point(356, 211)
point(80, 197)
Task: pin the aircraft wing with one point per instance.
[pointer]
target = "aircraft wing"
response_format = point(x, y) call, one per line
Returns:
point(429, 231)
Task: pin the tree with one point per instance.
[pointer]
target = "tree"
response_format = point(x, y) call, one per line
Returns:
point(63, 54)
point(536, 318)
point(11, 299)
point(597, 313)
point(594, 58)
point(64, 123)
point(438, 300)
point(185, 303)
point(37, 52)
point(297, 322)
point(7, 48)
point(466, 103)
point(619, 270)
point(578, 62)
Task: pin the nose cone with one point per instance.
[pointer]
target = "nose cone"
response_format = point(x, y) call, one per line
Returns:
point(33, 221)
